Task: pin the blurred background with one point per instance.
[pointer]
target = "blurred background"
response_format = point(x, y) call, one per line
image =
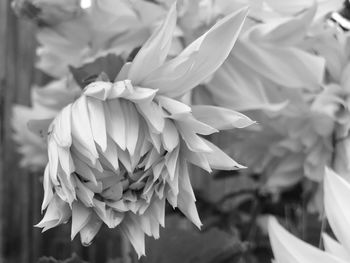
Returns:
point(232, 205)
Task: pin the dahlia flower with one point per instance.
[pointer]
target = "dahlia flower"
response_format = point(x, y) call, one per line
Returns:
point(288, 248)
point(121, 150)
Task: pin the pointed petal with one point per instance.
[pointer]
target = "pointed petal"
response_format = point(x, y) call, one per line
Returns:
point(48, 192)
point(219, 160)
point(80, 217)
point(89, 231)
point(170, 136)
point(81, 128)
point(220, 118)
point(97, 122)
point(134, 233)
point(155, 50)
point(111, 154)
point(186, 199)
point(84, 194)
point(58, 212)
point(131, 125)
point(199, 60)
point(171, 161)
point(53, 161)
point(115, 122)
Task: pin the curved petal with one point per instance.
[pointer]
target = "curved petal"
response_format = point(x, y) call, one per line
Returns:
point(155, 50)
point(288, 32)
point(287, 66)
point(220, 118)
point(334, 248)
point(289, 249)
point(217, 159)
point(336, 201)
point(199, 60)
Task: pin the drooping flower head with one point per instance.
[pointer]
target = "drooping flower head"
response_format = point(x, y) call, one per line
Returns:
point(122, 149)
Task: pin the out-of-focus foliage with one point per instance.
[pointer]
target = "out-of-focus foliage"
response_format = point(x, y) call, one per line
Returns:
point(73, 259)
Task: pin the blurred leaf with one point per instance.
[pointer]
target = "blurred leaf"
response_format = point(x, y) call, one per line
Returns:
point(178, 244)
point(89, 72)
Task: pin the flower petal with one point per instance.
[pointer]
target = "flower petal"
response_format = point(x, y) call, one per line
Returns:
point(80, 217)
point(186, 199)
point(155, 50)
point(221, 118)
point(288, 248)
point(288, 66)
point(199, 60)
point(131, 125)
point(170, 136)
point(89, 231)
point(62, 127)
point(81, 128)
point(219, 160)
point(134, 233)
point(97, 122)
point(115, 122)
point(336, 196)
point(334, 248)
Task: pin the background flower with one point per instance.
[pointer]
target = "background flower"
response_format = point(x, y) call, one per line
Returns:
point(337, 192)
point(47, 101)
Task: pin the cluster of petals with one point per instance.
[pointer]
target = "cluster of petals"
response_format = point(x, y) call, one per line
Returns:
point(122, 149)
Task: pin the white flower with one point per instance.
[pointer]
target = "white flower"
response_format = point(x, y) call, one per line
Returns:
point(121, 150)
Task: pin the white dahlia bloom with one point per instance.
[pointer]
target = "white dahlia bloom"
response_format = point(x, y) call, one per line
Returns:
point(122, 149)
